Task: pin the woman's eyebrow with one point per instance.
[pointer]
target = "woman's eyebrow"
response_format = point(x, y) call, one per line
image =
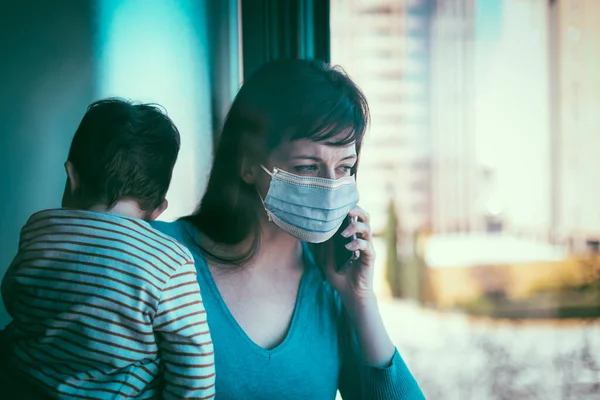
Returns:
point(307, 158)
point(313, 158)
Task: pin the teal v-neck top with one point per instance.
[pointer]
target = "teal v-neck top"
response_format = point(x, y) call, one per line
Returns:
point(312, 362)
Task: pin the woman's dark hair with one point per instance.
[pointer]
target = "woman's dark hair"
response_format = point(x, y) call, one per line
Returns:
point(283, 100)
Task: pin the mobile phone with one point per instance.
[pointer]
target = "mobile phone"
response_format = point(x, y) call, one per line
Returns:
point(342, 256)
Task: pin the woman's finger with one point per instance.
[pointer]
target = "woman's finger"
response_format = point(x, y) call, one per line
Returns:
point(362, 245)
point(361, 214)
point(361, 228)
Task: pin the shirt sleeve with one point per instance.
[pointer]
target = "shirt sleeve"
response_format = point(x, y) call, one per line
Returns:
point(184, 340)
point(359, 380)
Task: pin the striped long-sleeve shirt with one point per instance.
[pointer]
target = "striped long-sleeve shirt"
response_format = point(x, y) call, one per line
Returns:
point(104, 307)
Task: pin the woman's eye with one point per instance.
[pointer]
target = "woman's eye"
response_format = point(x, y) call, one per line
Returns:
point(305, 168)
point(345, 169)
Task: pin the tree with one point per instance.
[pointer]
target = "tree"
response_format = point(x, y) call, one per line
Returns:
point(393, 271)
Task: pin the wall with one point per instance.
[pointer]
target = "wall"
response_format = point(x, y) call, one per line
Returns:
point(57, 57)
point(46, 76)
point(160, 54)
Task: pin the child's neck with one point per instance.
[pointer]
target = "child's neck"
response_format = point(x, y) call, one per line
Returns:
point(127, 208)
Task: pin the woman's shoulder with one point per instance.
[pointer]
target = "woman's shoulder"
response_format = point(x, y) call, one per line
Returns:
point(175, 228)
point(185, 233)
point(180, 230)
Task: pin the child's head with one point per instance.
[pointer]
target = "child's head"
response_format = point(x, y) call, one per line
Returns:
point(121, 159)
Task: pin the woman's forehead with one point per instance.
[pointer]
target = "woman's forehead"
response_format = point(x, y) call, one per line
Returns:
point(308, 148)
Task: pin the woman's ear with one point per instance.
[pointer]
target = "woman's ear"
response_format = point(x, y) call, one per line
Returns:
point(249, 170)
point(72, 177)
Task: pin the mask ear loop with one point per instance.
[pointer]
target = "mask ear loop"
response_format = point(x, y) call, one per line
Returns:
point(267, 171)
point(265, 207)
point(260, 197)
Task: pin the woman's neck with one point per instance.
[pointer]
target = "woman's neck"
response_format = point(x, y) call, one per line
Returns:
point(278, 249)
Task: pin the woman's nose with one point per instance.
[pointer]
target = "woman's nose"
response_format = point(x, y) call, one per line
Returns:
point(327, 173)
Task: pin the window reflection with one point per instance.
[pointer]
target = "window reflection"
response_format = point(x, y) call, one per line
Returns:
point(480, 174)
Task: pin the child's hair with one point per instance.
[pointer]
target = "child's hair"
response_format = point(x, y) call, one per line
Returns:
point(124, 150)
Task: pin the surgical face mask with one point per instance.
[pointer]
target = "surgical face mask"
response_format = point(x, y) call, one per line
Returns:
point(309, 208)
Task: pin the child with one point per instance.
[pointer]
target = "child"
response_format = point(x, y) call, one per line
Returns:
point(103, 305)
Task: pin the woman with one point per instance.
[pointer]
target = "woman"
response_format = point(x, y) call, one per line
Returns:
point(286, 324)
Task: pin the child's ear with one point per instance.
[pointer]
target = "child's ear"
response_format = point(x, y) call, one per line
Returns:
point(159, 210)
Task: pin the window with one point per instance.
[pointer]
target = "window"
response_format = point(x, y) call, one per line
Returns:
point(471, 79)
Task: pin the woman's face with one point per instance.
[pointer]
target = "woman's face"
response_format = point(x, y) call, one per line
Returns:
point(308, 158)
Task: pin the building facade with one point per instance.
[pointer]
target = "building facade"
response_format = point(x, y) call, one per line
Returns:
point(454, 169)
point(575, 56)
point(383, 45)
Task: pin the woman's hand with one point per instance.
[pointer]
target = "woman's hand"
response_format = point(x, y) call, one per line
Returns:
point(355, 287)
point(355, 283)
